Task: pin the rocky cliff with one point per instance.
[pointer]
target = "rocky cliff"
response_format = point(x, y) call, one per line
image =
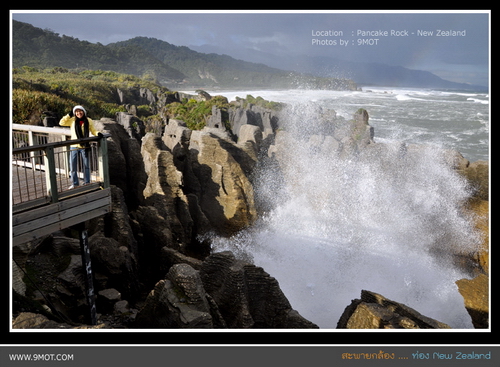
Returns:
point(152, 257)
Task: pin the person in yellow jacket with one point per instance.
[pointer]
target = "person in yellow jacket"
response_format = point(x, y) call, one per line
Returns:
point(80, 126)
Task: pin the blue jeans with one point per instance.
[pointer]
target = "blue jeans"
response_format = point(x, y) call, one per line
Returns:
point(84, 153)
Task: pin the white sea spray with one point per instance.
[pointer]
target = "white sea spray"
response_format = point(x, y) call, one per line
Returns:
point(385, 220)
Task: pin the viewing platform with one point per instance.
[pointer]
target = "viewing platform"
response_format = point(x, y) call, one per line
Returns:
point(41, 198)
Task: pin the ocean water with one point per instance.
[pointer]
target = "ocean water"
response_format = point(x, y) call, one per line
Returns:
point(455, 120)
point(331, 226)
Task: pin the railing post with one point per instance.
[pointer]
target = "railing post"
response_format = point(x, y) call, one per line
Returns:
point(50, 174)
point(103, 162)
point(67, 156)
point(31, 142)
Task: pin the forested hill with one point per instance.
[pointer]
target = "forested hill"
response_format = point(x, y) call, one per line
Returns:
point(172, 66)
point(198, 66)
point(39, 48)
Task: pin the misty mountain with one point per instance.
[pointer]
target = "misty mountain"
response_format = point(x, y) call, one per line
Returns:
point(362, 73)
point(200, 68)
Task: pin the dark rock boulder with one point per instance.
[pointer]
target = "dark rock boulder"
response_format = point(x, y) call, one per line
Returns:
point(179, 301)
point(126, 165)
point(114, 266)
point(224, 293)
point(106, 300)
point(247, 296)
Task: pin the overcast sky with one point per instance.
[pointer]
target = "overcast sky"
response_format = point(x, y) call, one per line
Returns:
point(462, 56)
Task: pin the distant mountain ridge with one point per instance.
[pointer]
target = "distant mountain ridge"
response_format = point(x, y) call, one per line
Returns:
point(210, 67)
point(371, 73)
point(362, 73)
point(197, 66)
point(172, 66)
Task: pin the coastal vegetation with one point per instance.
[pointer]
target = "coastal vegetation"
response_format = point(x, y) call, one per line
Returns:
point(194, 112)
point(58, 89)
point(36, 92)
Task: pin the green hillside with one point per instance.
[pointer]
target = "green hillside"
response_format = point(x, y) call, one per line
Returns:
point(172, 66)
point(43, 49)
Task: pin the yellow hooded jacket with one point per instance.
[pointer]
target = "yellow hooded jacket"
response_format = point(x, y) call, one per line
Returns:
point(70, 121)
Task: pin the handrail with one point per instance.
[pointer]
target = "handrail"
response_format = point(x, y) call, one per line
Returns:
point(58, 144)
point(47, 151)
point(42, 129)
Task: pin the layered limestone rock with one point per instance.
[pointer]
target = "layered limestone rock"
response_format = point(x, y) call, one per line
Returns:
point(179, 301)
point(476, 299)
point(476, 291)
point(224, 293)
point(374, 311)
point(226, 194)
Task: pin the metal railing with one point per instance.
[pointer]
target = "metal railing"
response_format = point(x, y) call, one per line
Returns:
point(41, 172)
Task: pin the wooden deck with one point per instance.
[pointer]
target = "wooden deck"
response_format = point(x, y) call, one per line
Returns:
point(36, 210)
point(32, 224)
point(29, 189)
point(36, 216)
point(29, 185)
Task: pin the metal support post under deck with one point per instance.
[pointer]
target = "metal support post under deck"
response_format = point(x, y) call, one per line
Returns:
point(87, 268)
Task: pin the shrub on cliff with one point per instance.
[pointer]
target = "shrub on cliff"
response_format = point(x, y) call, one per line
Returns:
point(195, 113)
point(259, 101)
